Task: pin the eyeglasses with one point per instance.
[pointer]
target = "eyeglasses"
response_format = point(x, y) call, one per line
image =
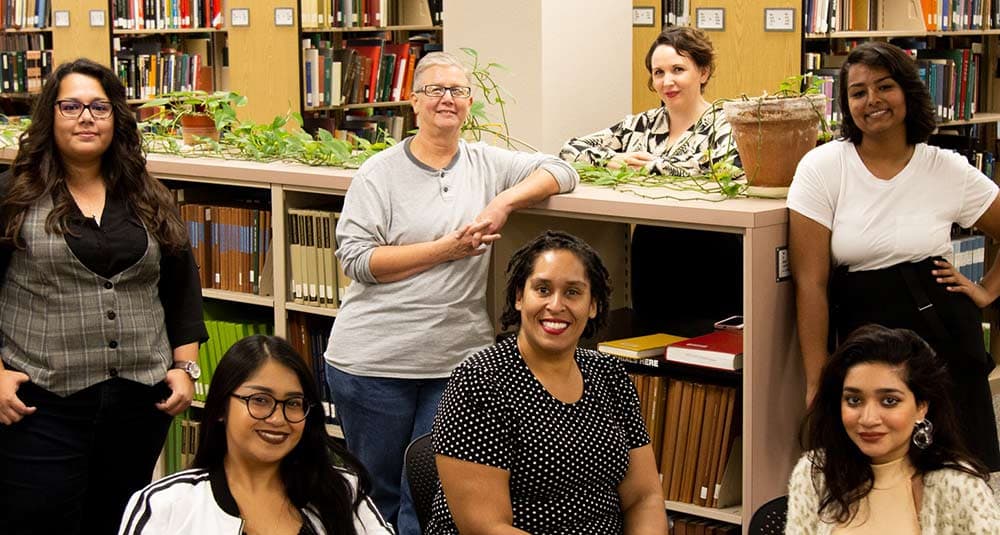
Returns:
point(72, 109)
point(459, 91)
point(262, 405)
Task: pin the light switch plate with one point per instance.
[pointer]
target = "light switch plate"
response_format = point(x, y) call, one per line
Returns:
point(284, 16)
point(239, 16)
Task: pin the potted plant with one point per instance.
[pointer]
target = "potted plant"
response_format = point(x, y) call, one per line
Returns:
point(199, 114)
point(774, 132)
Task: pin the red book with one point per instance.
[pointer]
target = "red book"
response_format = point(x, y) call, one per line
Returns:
point(718, 349)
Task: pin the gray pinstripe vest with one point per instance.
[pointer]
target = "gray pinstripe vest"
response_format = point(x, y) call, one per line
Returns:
point(69, 328)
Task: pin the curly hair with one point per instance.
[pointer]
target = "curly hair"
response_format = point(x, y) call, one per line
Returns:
point(522, 264)
point(920, 121)
point(39, 169)
point(687, 41)
point(847, 471)
point(308, 471)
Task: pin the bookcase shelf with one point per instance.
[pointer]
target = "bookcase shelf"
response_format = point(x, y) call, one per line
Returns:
point(238, 297)
point(731, 515)
point(396, 28)
point(897, 33)
point(978, 118)
point(361, 106)
point(174, 31)
point(308, 309)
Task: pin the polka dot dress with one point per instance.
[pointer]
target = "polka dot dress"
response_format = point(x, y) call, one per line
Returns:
point(565, 460)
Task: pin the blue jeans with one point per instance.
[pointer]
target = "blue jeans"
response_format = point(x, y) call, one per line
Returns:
point(380, 417)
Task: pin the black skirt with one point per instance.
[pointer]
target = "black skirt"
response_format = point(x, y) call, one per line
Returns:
point(884, 297)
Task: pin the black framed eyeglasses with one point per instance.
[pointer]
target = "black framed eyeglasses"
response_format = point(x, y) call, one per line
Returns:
point(262, 405)
point(458, 91)
point(73, 109)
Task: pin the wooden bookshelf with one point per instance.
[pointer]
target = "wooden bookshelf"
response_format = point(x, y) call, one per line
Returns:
point(238, 297)
point(395, 28)
point(897, 33)
point(174, 31)
point(362, 105)
point(80, 39)
point(731, 515)
point(308, 309)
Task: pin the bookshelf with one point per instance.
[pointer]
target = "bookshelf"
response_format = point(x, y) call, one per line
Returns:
point(772, 374)
point(374, 53)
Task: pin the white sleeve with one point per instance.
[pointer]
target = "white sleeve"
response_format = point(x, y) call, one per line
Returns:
point(809, 193)
point(368, 521)
point(978, 195)
point(138, 518)
point(803, 500)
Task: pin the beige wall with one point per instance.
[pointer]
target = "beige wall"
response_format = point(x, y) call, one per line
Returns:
point(568, 64)
point(80, 40)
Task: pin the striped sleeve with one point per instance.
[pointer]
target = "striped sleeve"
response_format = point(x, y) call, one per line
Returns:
point(149, 510)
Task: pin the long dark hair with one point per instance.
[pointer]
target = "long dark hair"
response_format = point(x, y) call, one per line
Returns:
point(847, 471)
point(920, 122)
point(39, 170)
point(308, 471)
point(522, 263)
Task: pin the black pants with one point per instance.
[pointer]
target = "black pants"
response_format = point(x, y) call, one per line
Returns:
point(883, 297)
point(71, 467)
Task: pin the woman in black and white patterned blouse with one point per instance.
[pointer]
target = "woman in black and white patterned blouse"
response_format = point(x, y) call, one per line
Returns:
point(535, 435)
point(684, 135)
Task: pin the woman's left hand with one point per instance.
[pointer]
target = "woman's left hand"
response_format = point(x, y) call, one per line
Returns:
point(182, 392)
point(954, 281)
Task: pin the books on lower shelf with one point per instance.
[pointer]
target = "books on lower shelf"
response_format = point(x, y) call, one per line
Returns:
point(639, 347)
point(182, 443)
point(221, 336)
point(309, 335)
point(692, 525)
point(718, 349)
point(317, 277)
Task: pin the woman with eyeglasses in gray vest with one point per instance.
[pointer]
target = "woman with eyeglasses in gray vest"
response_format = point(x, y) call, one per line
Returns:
point(100, 311)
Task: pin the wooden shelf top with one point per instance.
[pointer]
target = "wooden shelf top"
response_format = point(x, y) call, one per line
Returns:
point(897, 33)
point(238, 297)
point(397, 28)
point(731, 515)
point(180, 31)
point(309, 309)
point(363, 105)
point(978, 118)
point(26, 30)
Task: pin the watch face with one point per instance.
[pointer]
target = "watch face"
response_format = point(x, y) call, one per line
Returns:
point(191, 367)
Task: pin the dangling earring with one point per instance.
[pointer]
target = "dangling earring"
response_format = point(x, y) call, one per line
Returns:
point(923, 434)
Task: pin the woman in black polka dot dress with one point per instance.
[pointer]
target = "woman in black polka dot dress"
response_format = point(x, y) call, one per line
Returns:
point(536, 435)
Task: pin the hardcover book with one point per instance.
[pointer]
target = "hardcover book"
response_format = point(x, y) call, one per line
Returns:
point(639, 347)
point(719, 349)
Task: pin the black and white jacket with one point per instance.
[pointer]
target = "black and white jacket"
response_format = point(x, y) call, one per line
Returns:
point(199, 502)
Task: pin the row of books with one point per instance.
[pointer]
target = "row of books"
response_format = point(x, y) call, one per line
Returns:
point(317, 277)
point(694, 429)
point(148, 75)
point(692, 525)
point(166, 14)
point(18, 14)
point(221, 336)
point(676, 12)
point(24, 71)
point(232, 246)
point(367, 70)
point(182, 443)
point(719, 349)
point(25, 41)
point(968, 254)
point(308, 334)
point(321, 14)
point(359, 124)
point(822, 16)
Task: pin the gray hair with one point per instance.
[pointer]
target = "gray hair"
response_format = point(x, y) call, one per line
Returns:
point(436, 59)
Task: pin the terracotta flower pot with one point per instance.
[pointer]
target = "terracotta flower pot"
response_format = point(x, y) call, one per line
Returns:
point(772, 135)
point(193, 126)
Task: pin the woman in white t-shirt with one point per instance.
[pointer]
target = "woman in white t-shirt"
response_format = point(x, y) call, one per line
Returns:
point(871, 215)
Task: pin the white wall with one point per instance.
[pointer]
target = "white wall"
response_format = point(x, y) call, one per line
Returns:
point(568, 61)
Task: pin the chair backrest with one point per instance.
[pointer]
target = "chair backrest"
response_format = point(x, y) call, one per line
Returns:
point(421, 472)
point(770, 518)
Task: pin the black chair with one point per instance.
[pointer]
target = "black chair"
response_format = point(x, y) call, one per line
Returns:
point(421, 472)
point(770, 518)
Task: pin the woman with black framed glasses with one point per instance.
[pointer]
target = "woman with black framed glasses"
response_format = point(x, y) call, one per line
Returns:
point(100, 311)
point(260, 469)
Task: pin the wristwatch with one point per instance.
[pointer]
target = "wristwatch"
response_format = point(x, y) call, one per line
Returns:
point(189, 366)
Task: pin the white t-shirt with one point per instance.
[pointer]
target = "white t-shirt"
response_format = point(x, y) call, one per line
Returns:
point(877, 223)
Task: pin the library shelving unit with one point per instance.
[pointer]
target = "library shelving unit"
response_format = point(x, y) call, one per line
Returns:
point(772, 389)
point(398, 35)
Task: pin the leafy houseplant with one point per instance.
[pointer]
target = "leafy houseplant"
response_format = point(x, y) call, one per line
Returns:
point(200, 115)
point(774, 132)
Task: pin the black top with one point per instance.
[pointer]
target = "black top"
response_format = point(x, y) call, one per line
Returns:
point(118, 243)
point(565, 460)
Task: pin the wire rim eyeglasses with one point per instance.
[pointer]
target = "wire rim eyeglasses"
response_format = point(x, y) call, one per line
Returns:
point(458, 91)
point(73, 109)
point(262, 405)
